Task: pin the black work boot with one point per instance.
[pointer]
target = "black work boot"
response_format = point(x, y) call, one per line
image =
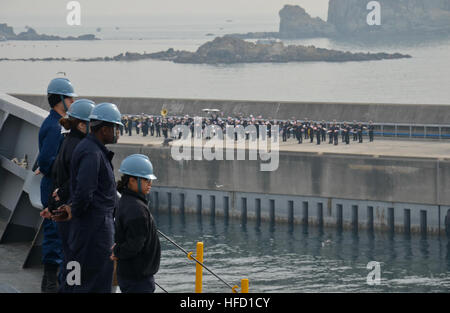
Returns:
point(51, 278)
point(44, 282)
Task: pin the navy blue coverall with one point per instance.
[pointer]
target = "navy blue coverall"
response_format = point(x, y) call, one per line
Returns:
point(61, 179)
point(93, 202)
point(50, 139)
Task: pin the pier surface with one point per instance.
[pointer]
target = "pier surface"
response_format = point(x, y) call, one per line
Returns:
point(398, 148)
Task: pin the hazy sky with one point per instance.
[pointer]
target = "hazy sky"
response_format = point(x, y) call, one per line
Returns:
point(54, 11)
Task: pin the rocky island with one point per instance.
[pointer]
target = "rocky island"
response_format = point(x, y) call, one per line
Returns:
point(230, 50)
point(398, 18)
point(7, 33)
point(295, 22)
point(348, 19)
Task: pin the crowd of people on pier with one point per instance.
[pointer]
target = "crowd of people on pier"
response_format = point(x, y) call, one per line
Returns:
point(300, 130)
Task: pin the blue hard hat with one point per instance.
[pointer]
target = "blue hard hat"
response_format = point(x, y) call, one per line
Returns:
point(61, 86)
point(81, 109)
point(137, 165)
point(107, 112)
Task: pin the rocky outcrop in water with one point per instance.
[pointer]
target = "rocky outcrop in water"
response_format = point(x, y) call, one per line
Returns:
point(168, 55)
point(230, 50)
point(399, 17)
point(7, 33)
point(296, 23)
point(348, 19)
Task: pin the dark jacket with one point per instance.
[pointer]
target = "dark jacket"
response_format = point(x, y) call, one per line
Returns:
point(50, 139)
point(94, 199)
point(61, 168)
point(137, 242)
point(93, 187)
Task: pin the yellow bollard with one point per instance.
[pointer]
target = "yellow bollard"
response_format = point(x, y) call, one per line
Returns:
point(244, 285)
point(199, 268)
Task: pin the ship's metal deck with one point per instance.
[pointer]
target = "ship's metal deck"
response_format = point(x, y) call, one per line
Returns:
point(12, 275)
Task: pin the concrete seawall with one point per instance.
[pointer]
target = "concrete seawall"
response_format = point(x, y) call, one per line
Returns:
point(337, 181)
point(383, 113)
point(391, 179)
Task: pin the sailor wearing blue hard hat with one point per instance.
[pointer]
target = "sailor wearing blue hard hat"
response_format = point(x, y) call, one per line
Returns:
point(93, 201)
point(77, 122)
point(137, 248)
point(60, 95)
point(108, 115)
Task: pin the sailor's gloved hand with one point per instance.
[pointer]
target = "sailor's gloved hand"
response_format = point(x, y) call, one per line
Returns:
point(45, 213)
point(62, 214)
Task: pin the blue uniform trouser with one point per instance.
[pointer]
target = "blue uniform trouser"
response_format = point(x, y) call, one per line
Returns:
point(51, 245)
point(146, 285)
point(94, 280)
point(63, 231)
point(91, 237)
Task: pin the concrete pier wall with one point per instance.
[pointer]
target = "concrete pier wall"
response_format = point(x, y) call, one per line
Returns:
point(390, 179)
point(313, 211)
point(338, 181)
point(328, 111)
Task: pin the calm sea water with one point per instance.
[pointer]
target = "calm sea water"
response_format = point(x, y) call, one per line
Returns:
point(298, 259)
point(423, 79)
